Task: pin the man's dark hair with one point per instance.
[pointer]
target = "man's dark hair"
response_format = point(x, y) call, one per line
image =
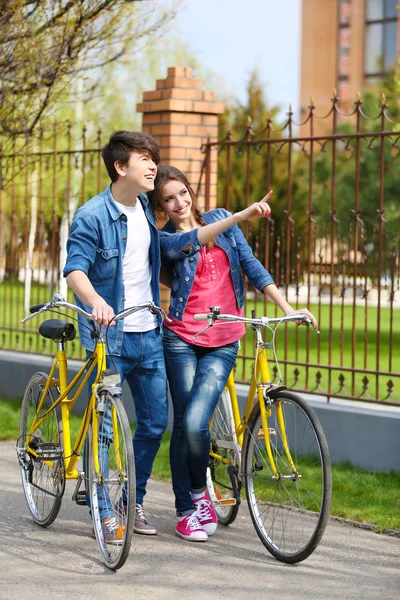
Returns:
point(122, 144)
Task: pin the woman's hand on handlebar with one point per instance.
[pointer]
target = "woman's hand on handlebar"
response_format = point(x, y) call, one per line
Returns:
point(305, 311)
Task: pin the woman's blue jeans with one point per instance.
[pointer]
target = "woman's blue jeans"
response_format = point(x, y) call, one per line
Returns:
point(197, 377)
point(142, 365)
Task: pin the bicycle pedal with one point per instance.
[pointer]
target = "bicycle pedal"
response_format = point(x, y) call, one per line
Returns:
point(271, 433)
point(47, 450)
point(80, 498)
point(225, 502)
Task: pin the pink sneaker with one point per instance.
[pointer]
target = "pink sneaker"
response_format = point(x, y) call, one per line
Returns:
point(190, 529)
point(206, 514)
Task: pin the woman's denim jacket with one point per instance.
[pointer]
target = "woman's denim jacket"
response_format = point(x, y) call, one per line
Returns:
point(96, 246)
point(184, 263)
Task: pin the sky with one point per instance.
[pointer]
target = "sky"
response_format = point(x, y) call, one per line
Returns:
point(231, 37)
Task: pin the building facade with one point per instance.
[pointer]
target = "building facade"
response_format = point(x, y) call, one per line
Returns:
point(346, 45)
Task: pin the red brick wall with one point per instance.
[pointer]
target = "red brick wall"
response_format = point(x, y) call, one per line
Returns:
point(181, 116)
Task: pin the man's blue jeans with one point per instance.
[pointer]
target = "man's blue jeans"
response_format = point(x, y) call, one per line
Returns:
point(196, 377)
point(142, 365)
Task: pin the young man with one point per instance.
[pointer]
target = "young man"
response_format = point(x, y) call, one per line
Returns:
point(113, 262)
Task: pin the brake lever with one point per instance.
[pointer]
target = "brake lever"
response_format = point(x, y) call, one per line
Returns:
point(164, 315)
point(209, 324)
point(31, 316)
point(307, 323)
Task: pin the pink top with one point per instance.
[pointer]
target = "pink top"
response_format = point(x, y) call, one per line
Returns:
point(212, 286)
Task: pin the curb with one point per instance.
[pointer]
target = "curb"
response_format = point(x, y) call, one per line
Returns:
point(367, 526)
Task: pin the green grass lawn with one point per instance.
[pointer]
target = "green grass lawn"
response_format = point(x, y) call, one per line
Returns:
point(364, 354)
point(358, 495)
point(24, 337)
point(360, 353)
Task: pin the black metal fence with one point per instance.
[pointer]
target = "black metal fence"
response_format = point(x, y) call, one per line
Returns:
point(44, 179)
point(332, 243)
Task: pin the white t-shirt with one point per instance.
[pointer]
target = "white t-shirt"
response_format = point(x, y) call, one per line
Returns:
point(136, 268)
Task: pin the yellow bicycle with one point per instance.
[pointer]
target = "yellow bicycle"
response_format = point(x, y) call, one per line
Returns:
point(277, 450)
point(48, 457)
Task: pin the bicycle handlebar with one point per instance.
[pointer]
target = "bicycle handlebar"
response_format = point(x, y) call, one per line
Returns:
point(260, 321)
point(59, 302)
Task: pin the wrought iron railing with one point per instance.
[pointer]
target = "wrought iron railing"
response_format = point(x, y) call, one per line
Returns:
point(332, 243)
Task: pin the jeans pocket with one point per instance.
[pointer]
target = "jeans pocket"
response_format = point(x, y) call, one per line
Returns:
point(169, 335)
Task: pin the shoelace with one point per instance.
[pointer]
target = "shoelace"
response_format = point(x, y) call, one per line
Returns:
point(203, 508)
point(140, 513)
point(111, 524)
point(193, 522)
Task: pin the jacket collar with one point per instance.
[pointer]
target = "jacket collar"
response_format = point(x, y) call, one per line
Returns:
point(168, 227)
point(115, 212)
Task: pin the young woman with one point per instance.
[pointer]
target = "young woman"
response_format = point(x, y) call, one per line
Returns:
point(205, 254)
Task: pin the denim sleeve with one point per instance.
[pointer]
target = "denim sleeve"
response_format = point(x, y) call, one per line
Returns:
point(251, 266)
point(173, 244)
point(81, 246)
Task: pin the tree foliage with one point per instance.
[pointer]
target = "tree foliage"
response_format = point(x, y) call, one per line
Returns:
point(46, 45)
point(315, 197)
point(257, 168)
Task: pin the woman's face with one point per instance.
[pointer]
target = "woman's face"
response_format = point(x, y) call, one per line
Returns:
point(176, 201)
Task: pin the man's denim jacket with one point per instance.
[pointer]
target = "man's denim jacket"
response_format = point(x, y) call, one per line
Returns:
point(96, 246)
point(184, 263)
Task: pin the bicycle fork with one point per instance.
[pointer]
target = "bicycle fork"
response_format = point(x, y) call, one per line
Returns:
point(265, 403)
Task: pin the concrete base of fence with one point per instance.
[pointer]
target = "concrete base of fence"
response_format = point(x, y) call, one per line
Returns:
point(367, 435)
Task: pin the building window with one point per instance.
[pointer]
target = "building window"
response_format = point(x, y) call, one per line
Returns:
point(380, 37)
point(344, 45)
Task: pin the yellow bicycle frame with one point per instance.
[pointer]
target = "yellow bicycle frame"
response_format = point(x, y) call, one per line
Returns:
point(261, 377)
point(71, 451)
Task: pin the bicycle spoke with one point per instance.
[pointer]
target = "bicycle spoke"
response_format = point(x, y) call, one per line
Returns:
point(289, 511)
point(43, 480)
point(219, 483)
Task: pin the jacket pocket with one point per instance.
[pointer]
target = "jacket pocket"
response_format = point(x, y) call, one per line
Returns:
point(105, 265)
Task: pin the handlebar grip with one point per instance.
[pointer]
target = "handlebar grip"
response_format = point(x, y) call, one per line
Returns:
point(200, 317)
point(36, 307)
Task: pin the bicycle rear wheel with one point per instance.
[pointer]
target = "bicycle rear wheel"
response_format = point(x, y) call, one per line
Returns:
point(289, 511)
point(42, 464)
point(112, 491)
point(221, 485)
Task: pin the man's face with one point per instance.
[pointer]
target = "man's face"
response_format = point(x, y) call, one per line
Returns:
point(140, 171)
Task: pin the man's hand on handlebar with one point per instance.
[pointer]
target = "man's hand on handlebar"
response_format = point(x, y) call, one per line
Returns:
point(102, 313)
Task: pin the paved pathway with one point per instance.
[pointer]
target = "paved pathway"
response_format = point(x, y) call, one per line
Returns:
point(63, 562)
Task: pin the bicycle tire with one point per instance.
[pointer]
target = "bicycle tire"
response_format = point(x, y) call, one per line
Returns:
point(116, 484)
point(289, 513)
point(43, 484)
point(219, 483)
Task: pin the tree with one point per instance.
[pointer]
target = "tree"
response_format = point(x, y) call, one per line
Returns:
point(256, 168)
point(45, 45)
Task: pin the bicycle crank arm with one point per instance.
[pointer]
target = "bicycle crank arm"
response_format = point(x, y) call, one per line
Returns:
point(293, 477)
point(233, 447)
point(232, 472)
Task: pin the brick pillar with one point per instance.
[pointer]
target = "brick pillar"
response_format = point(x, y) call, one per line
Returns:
point(180, 115)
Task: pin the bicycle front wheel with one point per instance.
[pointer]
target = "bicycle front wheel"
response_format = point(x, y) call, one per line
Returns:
point(112, 489)
point(289, 507)
point(222, 481)
point(39, 452)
